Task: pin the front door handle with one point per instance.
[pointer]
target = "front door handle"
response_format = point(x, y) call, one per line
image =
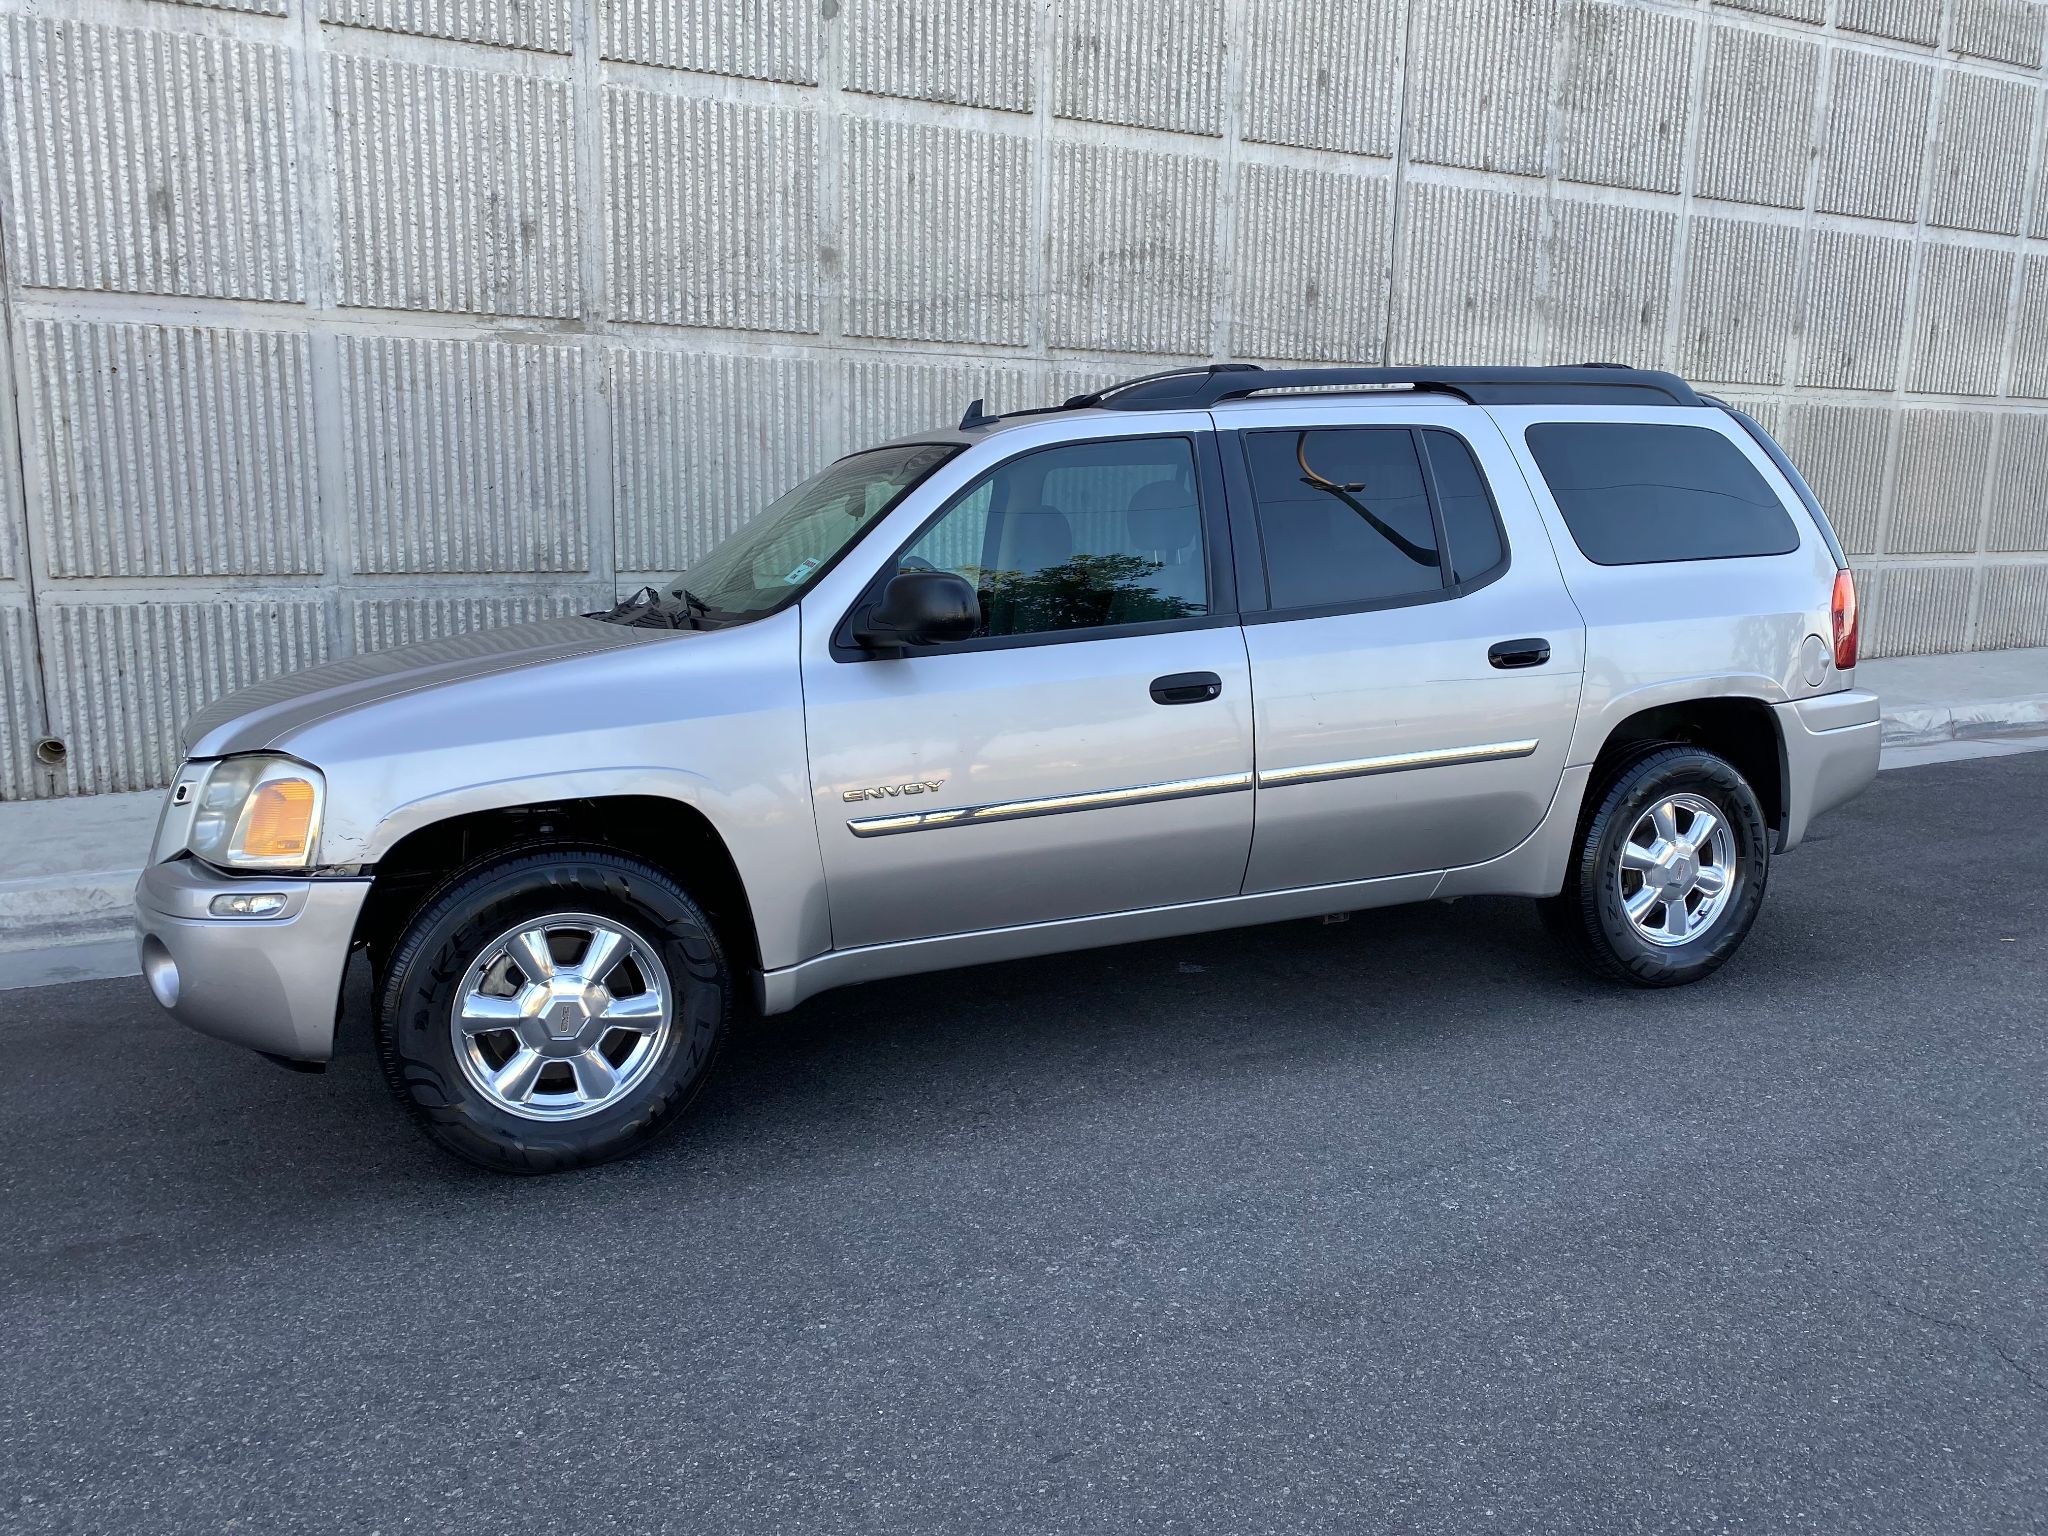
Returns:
point(1519, 653)
point(1186, 688)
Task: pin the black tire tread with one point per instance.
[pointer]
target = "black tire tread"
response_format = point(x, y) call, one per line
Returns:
point(1574, 916)
point(588, 871)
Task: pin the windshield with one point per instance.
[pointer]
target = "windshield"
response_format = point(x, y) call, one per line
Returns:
point(774, 557)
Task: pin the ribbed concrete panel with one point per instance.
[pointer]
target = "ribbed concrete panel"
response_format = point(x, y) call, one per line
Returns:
point(455, 188)
point(1741, 282)
point(710, 212)
point(884, 398)
point(1794, 10)
point(173, 450)
point(2014, 608)
point(1468, 275)
point(755, 39)
point(1879, 121)
point(1311, 262)
point(383, 622)
point(2030, 333)
point(1145, 63)
point(545, 26)
point(255, 7)
point(13, 515)
point(1753, 145)
point(2019, 484)
point(463, 455)
point(1980, 155)
point(1914, 610)
point(1999, 29)
point(1855, 310)
point(701, 443)
point(978, 53)
point(934, 220)
point(1132, 237)
point(1938, 497)
point(1911, 21)
point(149, 162)
point(124, 678)
point(1609, 283)
point(1321, 73)
point(19, 725)
point(1841, 450)
point(1960, 319)
point(1627, 95)
point(1479, 82)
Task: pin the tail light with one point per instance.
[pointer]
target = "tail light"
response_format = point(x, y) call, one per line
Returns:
point(1844, 615)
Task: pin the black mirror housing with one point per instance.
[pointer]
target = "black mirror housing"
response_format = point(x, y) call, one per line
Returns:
point(920, 608)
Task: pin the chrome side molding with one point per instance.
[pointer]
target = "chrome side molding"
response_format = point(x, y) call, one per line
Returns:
point(1398, 762)
point(1051, 805)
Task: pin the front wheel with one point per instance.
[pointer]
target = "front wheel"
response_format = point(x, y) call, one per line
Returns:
point(557, 1009)
point(1668, 873)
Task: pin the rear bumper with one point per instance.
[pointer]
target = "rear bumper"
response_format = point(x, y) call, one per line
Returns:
point(1831, 750)
point(270, 983)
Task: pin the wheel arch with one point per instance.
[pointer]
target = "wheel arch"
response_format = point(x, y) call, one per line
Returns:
point(671, 834)
point(1742, 728)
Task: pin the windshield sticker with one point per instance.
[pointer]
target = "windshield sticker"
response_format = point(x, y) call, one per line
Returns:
point(803, 570)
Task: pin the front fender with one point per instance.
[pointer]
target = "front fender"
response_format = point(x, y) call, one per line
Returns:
point(716, 725)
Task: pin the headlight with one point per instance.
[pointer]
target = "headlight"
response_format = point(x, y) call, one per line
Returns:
point(258, 813)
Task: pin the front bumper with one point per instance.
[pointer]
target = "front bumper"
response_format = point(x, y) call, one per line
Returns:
point(1831, 750)
point(270, 983)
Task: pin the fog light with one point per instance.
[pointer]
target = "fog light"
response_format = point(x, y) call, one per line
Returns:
point(252, 904)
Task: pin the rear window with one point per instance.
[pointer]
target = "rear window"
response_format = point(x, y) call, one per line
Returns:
point(1633, 493)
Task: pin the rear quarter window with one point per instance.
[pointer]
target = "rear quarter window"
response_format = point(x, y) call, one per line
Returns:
point(1637, 493)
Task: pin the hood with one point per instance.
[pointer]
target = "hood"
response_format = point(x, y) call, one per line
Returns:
point(257, 717)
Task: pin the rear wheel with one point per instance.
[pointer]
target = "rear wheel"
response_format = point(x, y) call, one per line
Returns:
point(553, 1010)
point(1669, 870)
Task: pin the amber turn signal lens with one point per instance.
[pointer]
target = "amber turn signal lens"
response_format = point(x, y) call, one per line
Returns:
point(279, 821)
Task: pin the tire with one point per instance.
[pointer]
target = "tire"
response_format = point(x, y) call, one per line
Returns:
point(591, 1067)
point(1657, 948)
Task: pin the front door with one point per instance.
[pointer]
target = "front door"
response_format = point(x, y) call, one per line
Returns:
point(1417, 666)
point(1089, 751)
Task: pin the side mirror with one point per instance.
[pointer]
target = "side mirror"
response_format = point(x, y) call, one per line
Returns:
point(919, 608)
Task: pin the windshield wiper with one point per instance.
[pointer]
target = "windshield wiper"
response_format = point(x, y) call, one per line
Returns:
point(648, 609)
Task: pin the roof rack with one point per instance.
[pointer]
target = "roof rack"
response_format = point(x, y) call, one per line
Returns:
point(1199, 386)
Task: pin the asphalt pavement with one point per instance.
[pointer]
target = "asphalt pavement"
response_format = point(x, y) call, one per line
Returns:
point(1394, 1225)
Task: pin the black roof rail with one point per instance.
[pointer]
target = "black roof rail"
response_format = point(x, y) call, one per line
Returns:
point(1199, 386)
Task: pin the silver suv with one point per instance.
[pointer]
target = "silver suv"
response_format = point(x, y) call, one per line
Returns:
point(1212, 647)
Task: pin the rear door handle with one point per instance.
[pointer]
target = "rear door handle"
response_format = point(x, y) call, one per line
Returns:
point(1186, 688)
point(1519, 653)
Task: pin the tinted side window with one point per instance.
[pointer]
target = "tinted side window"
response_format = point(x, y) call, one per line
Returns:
point(1471, 526)
point(1638, 494)
point(1094, 534)
point(1344, 515)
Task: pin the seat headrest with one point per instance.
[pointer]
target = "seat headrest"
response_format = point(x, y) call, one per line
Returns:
point(1163, 516)
point(1035, 537)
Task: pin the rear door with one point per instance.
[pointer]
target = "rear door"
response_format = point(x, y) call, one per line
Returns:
point(1416, 660)
point(1089, 751)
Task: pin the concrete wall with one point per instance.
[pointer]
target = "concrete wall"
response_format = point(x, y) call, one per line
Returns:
point(336, 323)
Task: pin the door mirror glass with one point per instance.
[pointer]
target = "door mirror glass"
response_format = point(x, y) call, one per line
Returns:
point(920, 608)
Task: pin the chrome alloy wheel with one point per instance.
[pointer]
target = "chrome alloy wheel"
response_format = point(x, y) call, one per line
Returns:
point(562, 1017)
point(1677, 870)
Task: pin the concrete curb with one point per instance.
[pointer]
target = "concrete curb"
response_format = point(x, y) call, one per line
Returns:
point(1913, 725)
